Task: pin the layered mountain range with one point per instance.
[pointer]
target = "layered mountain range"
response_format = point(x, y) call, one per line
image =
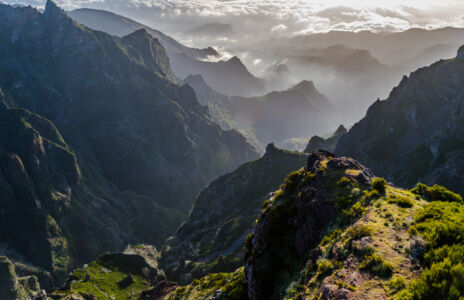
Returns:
point(102, 146)
point(274, 117)
point(230, 77)
point(94, 130)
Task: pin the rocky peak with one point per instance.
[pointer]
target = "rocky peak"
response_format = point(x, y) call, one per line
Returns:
point(211, 51)
point(325, 159)
point(340, 131)
point(53, 11)
point(295, 218)
point(305, 85)
point(270, 148)
point(237, 63)
point(138, 33)
point(460, 53)
point(307, 88)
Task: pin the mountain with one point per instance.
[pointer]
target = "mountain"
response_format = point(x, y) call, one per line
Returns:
point(96, 141)
point(328, 144)
point(415, 134)
point(380, 44)
point(339, 57)
point(335, 231)
point(274, 117)
point(410, 59)
point(211, 240)
point(120, 26)
point(332, 231)
point(229, 77)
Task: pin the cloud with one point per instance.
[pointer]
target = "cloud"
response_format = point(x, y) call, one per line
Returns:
point(264, 19)
point(280, 27)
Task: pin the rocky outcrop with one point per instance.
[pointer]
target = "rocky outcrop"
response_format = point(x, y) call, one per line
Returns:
point(294, 221)
point(212, 238)
point(415, 134)
point(460, 54)
point(328, 144)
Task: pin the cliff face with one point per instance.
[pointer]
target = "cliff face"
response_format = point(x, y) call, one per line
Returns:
point(212, 238)
point(108, 141)
point(116, 103)
point(415, 135)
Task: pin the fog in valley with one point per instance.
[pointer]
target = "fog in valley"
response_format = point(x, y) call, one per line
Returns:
point(353, 55)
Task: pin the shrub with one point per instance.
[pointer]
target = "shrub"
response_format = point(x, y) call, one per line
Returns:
point(401, 201)
point(379, 184)
point(331, 237)
point(291, 181)
point(362, 249)
point(324, 267)
point(441, 225)
point(397, 284)
point(358, 231)
point(436, 193)
point(354, 213)
point(376, 265)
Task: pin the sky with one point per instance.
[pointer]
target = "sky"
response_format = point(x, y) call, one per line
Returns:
point(283, 17)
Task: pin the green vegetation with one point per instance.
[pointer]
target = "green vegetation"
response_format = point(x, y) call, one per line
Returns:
point(324, 267)
point(401, 201)
point(441, 224)
point(396, 284)
point(436, 193)
point(379, 184)
point(358, 231)
point(113, 276)
point(376, 265)
point(218, 286)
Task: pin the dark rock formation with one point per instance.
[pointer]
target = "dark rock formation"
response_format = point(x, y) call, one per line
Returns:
point(416, 134)
point(294, 220)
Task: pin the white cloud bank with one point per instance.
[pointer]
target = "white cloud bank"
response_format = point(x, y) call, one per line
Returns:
point(287, 16)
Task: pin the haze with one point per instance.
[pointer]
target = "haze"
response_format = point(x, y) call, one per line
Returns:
point(354, 53)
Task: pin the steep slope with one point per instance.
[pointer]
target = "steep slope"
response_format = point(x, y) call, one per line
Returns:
point(120, 26)
point(274, 117)
point(328, 144)
point(114, 99)
point(211, 240)
point(53, 216)
point(229, 77)
point(334, 231)
point(415, 135)
point(117, 140)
